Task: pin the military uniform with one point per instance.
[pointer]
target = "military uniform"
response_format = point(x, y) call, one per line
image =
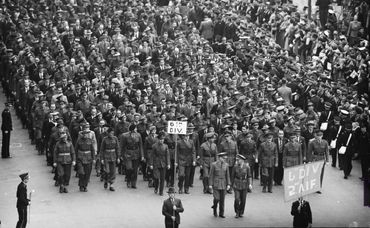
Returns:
point(207, 153)
point(185, 159)
point(159, 158)
point(132, 151)
point(292, 154)
point(240, 182)
point(148, 149)
point(317, 150)
point(109, 153)
point(232, 150)
point(267, 156)
point(85, 154)
point(248, 149)
point(64, 156)
point(219, 179)
point(170, 141)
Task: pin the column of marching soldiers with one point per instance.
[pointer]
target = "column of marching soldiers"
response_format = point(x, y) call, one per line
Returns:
point(267, 150)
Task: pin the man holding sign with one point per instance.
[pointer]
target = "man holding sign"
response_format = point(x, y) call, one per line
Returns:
point(318, 150)
point(268, 157)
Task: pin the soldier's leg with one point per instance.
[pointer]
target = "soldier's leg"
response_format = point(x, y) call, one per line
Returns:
point(105, 173)
point(67, 173)
point(129, 172)
point(222, 202)
point(112, 173)
point(187, 178)
point(192, 173)
point(243, 198)
point(156, 179)
point(60, 177)
point(264, 178)
point(98, 166)
point(171, 174)
point(216, 199)
point(256, 171)
point(143, 170)
point(237, 199)
point(81, 174)
point(230, 172)
point(135, 167)
point(88, 169)
point(270, 178)
point(162, 175)
point(181, 178)
point(205, 179)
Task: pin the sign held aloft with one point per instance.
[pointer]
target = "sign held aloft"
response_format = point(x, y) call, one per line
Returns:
point(177, 127)
point(302, 180)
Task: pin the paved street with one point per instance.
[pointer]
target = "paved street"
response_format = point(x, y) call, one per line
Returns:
point(338, 206)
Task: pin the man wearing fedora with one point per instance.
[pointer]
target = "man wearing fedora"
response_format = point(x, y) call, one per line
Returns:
point(171, 210)
point(22, 201)
point(219, 181)
point(241, 179)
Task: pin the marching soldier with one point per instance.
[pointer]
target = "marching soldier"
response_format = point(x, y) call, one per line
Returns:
point(170, 141)
point(241, 179)
point(318, 150)
point(292, 154)
point(267, 155)
point(85, 154)
point(64, 157)
point(185, 160)
point(159, 160)
point(132, 151)
point(219, 181)
point(148, 149)
point(109, 155)
point(231, 147)
point(302, 141)
point(207, 153)
point(195, 137)
point(248, 149)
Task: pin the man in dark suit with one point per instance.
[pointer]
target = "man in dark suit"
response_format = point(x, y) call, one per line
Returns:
point(22, 201)
point(301, 211)
point(280, 142)
point(171, 210)
point(6, 128)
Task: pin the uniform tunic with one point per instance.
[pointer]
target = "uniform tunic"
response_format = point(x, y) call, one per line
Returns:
point(292, 154)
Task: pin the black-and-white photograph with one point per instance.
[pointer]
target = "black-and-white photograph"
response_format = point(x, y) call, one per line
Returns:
point(184, 113)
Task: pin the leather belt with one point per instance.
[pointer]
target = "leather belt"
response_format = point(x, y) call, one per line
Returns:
point(84, 152)
point(64, 154)
point(132, 148)
point(111, 150)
